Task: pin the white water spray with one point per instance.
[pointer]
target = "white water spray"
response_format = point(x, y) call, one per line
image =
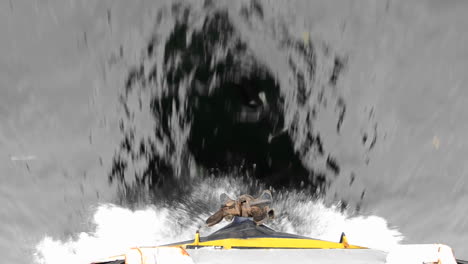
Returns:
point(117, 229)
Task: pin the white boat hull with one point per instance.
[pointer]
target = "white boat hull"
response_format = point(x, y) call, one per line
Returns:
point(286, 256)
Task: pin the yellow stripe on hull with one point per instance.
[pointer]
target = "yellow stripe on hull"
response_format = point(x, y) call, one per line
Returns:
point(270, 242)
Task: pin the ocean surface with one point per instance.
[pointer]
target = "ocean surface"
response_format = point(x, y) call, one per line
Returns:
point(122, 122)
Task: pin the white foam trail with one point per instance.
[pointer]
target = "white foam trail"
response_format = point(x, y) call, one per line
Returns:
point(314, 219)
point(328, 224)
point(117, 229)
point(23, 158)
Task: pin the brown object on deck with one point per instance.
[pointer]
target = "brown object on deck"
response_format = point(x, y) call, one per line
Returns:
point(245, 206)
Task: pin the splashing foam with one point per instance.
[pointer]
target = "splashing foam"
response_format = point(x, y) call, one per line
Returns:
point(117, 228)
point(314, 219)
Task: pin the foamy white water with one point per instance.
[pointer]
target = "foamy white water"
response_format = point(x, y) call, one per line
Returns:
point(117, 229)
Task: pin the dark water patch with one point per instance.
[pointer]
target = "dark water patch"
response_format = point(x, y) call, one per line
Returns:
point(135, 74)
point(369, 135)
point(337, 69)
point(218, 108)
point(352, 177)
point(333, 165)
point(342, 111)
point(254, 9)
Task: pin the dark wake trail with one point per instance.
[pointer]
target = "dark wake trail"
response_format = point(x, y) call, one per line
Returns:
point(217, 107)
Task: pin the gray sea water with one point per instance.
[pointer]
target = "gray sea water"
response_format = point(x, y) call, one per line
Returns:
point(122, 122)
